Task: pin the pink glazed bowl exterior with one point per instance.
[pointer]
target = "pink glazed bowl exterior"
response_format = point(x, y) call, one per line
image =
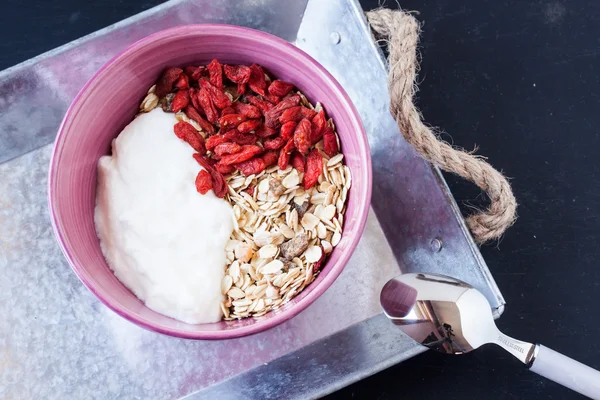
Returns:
point(108, 102)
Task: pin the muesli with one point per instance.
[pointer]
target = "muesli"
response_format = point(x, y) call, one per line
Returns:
point(275, 157)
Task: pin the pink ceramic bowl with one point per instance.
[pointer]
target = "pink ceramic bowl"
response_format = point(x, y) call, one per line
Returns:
point(108, 102)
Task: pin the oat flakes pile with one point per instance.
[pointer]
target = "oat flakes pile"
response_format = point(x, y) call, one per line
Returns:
point(282, 234)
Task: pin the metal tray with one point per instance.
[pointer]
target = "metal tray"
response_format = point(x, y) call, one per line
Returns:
point(58, 341)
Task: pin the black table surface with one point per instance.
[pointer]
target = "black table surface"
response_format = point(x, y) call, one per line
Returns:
point(520, 79)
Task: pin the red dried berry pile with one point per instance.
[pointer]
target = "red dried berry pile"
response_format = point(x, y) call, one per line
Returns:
point(249, 121)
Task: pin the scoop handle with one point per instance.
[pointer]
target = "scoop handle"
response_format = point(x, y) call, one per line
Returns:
point(566, 371)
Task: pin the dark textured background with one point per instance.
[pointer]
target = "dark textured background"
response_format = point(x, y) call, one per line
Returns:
point(521, 80)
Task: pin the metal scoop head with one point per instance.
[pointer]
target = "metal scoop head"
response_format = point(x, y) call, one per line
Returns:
point(445, 314)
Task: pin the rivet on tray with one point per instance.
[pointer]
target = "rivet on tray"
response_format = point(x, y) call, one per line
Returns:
point(436, 245)
point(335, 37)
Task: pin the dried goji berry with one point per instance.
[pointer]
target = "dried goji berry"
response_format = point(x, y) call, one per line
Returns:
point(270, 158)
point(248, 151)
point(272, 99)
point(275, 144)
point(297, 161)
point(224, 169)
point(284, 155)
point(272, 116)
point(219, 98)
point(290, 146)
point(189, 134)
point(227, 111)
point(241, 88)
point(287, 130)
point(207, 106)
point(280, 88)
point(302, 136)
point(291, 101)
point(330, 144)
point(249, 126)
point(189, 70)
point(264, 106)
point(214, 141)
point(222, 189)
point(215, 73)
point(181, 128)
point(296, 114)
point(183, 82)
point(192, 113)
point(194, 98)
point(198, 73)
point(318, 123)
point(257, 82)
point(326, 131)
point(194, 73)
point(227, 148)
point(308, 113)
point(284, 160)
point(181, 100)
point(219, 185)
point(247, 110)
point(240, 138)
point(203, 182)
point(252, 166)
point(313, 169)
point(265, 132)
point(204, 161)
point(231, 121)
point(237, 73)
point(272, 122)
point(165, 83)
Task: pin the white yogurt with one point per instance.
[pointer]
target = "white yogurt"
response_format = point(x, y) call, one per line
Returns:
point(163, 240)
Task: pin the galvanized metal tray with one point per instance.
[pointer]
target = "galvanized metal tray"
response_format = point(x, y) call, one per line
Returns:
point(58, 341)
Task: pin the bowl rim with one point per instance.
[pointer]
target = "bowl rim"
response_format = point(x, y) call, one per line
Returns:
point(363, 202)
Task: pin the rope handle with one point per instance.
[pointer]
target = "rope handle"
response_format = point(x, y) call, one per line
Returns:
point(401, 31)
